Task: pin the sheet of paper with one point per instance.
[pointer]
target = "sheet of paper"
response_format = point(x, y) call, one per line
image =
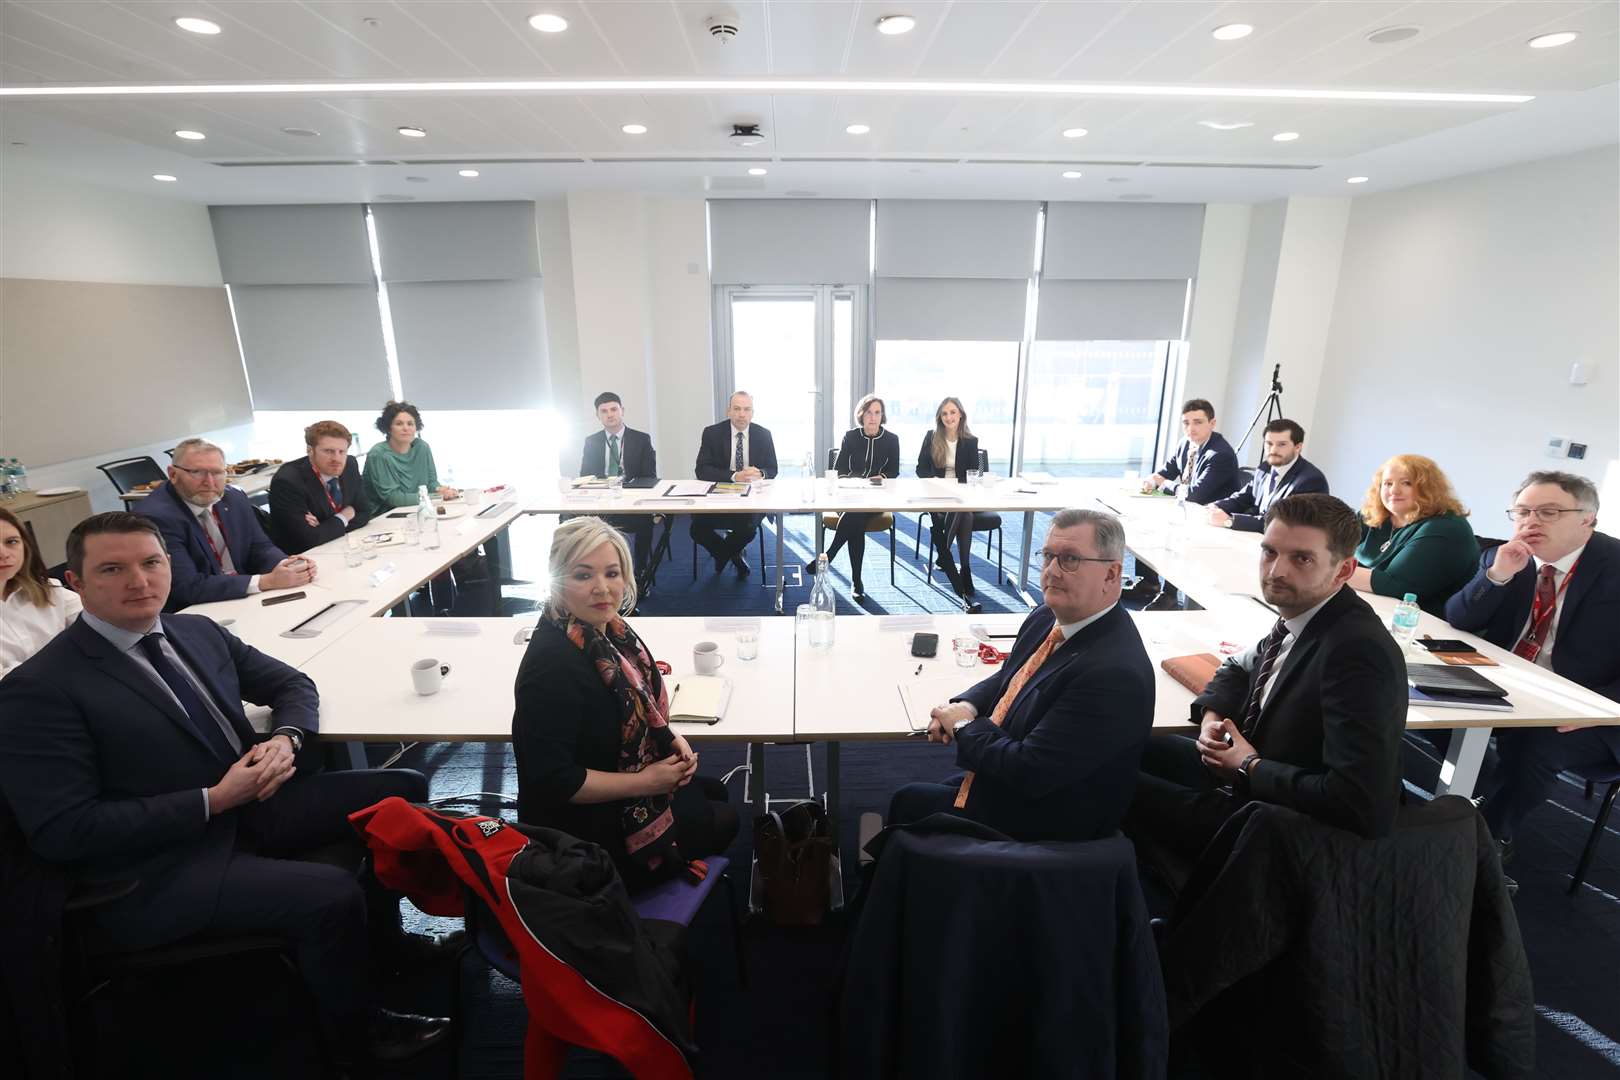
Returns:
point(687, 489)
point(920, 696)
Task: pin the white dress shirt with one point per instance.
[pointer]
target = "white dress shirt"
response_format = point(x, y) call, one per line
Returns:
point(25, 628)
point(1561, 570)
point(1249, 659)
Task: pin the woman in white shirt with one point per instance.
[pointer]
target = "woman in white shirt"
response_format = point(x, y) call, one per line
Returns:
point(948, 453)
point(33, 608)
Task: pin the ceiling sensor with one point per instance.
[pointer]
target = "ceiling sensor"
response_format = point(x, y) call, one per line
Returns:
point(723, 26)
point(1389, 35)
point(746, 135)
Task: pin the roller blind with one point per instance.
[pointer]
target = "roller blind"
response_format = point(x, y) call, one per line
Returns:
point(292, 245)
point(485, 241)
point(471, 344)
point(950, 309)
point(950, 238)
point(1111, 241)
point(1111, 310)
point(789, 241)
point(312, 346)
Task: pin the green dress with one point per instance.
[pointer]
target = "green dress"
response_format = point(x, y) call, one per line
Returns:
point(1433, 557)
point(392, 479)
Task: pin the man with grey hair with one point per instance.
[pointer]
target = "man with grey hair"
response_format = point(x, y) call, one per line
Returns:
point(1050, 743)
point(1552, 595)
point(218, 549)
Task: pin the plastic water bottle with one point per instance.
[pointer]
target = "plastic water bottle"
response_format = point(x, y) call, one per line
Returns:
point(19, 477)
point(807, 473)
point(1404, 623)
point(824, 607)
point(427, 521)
point(8, 489)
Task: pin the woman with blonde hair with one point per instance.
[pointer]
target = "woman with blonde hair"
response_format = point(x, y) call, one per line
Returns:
point(868, 450)
point(1414, 536)
point(596, 756)
point(948, 452)
point(33, 608)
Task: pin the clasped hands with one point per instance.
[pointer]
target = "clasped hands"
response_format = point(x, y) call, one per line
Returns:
point(289, 573)
point(675, 771)
point(943, 719)
point(1220, 756)
point(255, 776)
point(748, 475)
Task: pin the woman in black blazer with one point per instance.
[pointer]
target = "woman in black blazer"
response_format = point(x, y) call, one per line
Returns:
point(948, 452)
point(596, 757)
point(868, 450)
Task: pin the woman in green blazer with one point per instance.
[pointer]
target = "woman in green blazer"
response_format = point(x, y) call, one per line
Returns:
point(1414, 535)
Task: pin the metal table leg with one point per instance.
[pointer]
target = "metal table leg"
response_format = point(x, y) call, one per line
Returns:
point(1023, 559)
point(781, 568)
point(1464, 755)
point(756, 780)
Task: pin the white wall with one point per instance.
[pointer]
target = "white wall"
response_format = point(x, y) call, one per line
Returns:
point(1216, 297)
point(1301, 308)
point(1245, 385)
point(1460, 308)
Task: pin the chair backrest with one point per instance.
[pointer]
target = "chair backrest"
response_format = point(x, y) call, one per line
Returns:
point(984, 460)
point(832, 457)
point(1487, 542)
point(1246, 473)
point(127, 472)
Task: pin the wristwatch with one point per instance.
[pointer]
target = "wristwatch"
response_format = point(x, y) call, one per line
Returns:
point(960, 724)
point(1247, 764)
point(294, 736)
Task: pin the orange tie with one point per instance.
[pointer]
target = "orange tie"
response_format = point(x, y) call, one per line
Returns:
point(998, 715)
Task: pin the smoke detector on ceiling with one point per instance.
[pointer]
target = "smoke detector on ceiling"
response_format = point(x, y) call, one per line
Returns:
point(746, 135)
point(723, 26)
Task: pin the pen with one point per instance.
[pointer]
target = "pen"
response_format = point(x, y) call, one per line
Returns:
point(918, 671)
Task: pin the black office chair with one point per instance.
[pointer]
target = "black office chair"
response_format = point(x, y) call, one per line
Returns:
point(1601, 774)
point(875, 524)
point(126, 473)
point(775, 524)
point(985, 521)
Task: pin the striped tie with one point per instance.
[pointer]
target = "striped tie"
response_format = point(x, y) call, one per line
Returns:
point(998, 715)
point(1268, 657)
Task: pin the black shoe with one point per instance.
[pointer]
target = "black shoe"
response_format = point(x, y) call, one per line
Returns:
point(972, 607)
point(719, 563)
point(395, 1036)
point(810, 568)
point(743, 569)
point(859, 589)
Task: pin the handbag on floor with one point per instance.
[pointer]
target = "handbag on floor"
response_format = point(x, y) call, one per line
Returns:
point(794, 852)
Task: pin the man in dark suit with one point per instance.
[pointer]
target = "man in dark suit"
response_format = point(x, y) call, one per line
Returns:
point(1284, 473)
point(1051, 741)
point(217, 549)
point(128, 756)
point(1310, 717)
point(740, 450)
point(1552, 595)
point(620, 450)
point(321, 497)
point(1204, 462)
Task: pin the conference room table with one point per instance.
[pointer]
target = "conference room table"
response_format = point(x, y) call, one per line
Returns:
point(817, 495)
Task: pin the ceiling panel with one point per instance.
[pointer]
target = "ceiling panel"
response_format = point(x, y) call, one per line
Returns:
point(811, 38)
point(497, 43)
point(971, 35)
point(1050, 40)
point(1131, 41)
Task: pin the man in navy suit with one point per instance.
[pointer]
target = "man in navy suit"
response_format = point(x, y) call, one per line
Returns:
point(621, 450)
point(320, 496)
point(217, 549)
point(1284, 473)
point(1552, 595)
point(1052, 740)
point(736, 449)
point(127, 755)
point(1204, 462)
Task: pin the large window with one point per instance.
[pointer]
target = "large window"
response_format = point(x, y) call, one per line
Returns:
point(914, 376)
point(1093, 406)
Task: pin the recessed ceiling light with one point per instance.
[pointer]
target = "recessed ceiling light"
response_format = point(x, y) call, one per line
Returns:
point(1074, 133)
point(303, 133)
point(756, 172)
point(896, 24)
point(1552, 41)
point(1224, 125)
point(548, 23)
point(858, 129)
point(193, 136)
point(468, 173)
point(1231, 31)
point(1071, 175)
point(197, 26)
point(1356, 180)
point(633, 129)
point(413, 132)
point(1285, 136)
point(1389, 35)
point(165, 177)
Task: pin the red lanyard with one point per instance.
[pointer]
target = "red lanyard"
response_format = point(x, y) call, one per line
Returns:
point(321, 480)
point(1539, 618)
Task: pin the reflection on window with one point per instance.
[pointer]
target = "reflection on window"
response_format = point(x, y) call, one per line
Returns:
point(914, 376)
point(1093, 406)
point(843, 345)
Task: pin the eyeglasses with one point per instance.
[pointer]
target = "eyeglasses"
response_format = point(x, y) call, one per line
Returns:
point(1066, 562)
point(217, 474)
point(1544, 514)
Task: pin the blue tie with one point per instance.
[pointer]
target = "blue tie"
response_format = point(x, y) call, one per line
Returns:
point(222, 741)
point(335, 490)
point(738, 467)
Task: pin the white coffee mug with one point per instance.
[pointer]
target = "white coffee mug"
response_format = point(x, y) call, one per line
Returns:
point(706, 658)
point(428, 675)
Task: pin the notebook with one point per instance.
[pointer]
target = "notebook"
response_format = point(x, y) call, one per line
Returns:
point(700, 699)
point(1193, 671)
point(641, 482)
point(1451, 701)
point(1462, 682)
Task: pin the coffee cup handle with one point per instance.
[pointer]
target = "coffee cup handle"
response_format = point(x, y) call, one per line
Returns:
point(719, 661)
point(444, 669)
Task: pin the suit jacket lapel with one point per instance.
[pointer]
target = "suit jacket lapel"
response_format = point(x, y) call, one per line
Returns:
point(228, 704)
point(195, 536)
point(1061, 657)
point(122, 668)
point(1588, 572)
point(1304, 647)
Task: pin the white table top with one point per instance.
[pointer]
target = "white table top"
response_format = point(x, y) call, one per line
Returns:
point(801, 495)
point(366, 692)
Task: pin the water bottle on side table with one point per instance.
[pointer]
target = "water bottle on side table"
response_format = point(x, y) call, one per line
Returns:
point(823, 607)
point(427, 520)
point(1404, 623)
point(19, 477)
point(7, 489)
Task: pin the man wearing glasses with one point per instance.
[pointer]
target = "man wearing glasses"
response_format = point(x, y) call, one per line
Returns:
point(1050, 742)
point(217, 547)
point(1552, 595)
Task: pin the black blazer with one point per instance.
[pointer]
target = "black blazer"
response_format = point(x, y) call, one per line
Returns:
point(718, 445)
point(1329, 736)
point(967, 457)
point(1249, 503)
point(297, 490)
point(859, 455)
point(1584, 648)
point(1064, 765)
point(1216, 475)
point(636, 454)
point(106, 775)
point(196, 577)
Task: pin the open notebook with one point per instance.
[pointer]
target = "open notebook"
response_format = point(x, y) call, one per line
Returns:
point(700, 699)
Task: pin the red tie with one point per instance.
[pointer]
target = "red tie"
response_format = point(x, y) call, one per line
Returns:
point(1541, 614)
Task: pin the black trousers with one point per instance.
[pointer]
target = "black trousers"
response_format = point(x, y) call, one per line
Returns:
point(852, 531)
point(944, 528)
point(1178, 807)
point(638, 528)
point(1528, 763)
point(739, 529)
point(913, 802)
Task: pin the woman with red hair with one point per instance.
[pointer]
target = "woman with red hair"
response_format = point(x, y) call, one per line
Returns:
point(1414, 534)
